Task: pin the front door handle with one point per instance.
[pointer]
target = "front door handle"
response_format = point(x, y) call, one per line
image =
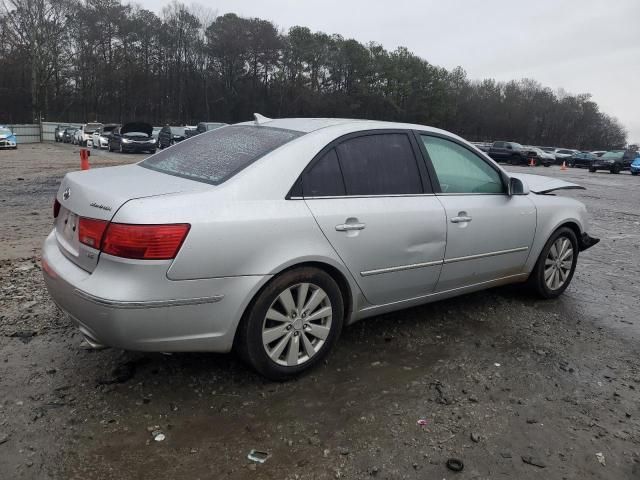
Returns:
point(346, 227)
point(461, 219)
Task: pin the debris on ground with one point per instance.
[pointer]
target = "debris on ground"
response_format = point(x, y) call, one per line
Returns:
point(258, 456)
point(455, 464)
point(422, 422)
point(535, 461)
point(475, 437)
point(600, 457)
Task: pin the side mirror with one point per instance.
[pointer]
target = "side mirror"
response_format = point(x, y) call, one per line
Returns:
point(518, 187)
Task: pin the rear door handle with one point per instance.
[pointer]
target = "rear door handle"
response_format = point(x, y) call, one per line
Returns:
point(461, 219)
point(346, 227)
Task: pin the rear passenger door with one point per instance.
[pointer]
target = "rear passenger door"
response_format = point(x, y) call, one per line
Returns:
point(373, 201)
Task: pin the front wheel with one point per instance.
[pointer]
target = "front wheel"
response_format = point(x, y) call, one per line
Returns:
point(634, 173)
point(555, 266)
point(592, 169)
point(292, 323)
point(615, 170)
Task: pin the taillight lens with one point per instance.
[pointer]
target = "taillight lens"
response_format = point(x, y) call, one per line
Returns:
point(144, 242)
point(90, 231)
point(56, 208)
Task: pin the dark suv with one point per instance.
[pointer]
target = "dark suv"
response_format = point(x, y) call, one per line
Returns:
point(510, 152)
point(615, 161)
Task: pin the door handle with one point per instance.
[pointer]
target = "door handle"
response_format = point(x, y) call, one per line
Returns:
point(346, 227)
point(461, 219)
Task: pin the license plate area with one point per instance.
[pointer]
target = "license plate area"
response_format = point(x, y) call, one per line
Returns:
point(67, 225)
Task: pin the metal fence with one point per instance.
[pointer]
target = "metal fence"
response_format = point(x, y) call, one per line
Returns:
point(26, 133)
point(37, 132)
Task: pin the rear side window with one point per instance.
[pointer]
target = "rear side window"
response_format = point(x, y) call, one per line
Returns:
point(379, 164)
point(324, 178)
point(217, 155)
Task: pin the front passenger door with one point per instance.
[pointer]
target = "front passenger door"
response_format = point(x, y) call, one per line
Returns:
point(489, 233)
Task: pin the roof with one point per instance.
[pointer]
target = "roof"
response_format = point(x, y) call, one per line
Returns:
point(308, 125)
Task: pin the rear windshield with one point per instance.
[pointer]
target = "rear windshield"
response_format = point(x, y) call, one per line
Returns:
point(217, 155)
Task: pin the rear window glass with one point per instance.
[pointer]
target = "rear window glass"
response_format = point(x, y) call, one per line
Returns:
point(215, 156)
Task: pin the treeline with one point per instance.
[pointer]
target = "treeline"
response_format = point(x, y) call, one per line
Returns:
point(72, 60)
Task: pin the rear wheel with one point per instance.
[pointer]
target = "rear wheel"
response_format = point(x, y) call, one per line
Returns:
point(615, 169)
point(292, 323)
point(555, 266)
point(514, 160)
point(592, 169)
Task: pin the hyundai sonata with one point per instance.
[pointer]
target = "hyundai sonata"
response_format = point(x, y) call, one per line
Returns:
point(269, 236)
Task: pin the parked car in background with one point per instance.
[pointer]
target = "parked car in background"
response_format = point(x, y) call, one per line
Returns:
point(581, 160)
point(7, 138)
point(170, 135)
point(155, 133)
point(510, 152)
point(58, 133)
point(69, 134)
point(207, 126)
point(599, 153)
point(279, 232)
point(615, 161)
point(190, 131)
point(100, 137)
point(132, 137)
point(539, 156)
point(84, 134)
point(635, 165)
point(563, 154)
point(548, 149)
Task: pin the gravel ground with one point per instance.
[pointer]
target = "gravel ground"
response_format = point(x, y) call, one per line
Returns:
point(513, 386)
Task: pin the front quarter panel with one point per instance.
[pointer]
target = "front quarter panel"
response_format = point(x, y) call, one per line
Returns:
point(553, 212)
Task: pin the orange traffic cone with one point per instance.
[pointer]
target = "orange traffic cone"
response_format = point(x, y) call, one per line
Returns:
point(532, 162)
point(564, 165)
point(84, 159)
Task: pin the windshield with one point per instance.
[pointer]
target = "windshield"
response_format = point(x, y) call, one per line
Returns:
point(177, 131)
point(615, 155)
point(109, 129)
point(215, 156)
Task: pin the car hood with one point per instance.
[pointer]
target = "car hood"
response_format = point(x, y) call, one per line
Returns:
point(540, 184)
point(137, 127)
point(3, 135)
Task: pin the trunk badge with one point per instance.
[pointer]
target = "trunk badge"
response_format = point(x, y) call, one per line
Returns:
point(66, 194)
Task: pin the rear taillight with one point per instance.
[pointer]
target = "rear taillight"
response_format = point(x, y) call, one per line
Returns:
point(90, 231)
point(56, 208)
point(144, 242)
point(141, 242)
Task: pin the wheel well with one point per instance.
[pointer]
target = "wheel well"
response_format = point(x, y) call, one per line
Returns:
point(339, 278)
point(333, 272)
point(573, 226)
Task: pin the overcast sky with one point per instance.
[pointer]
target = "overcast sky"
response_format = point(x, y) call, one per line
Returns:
point(583, 46)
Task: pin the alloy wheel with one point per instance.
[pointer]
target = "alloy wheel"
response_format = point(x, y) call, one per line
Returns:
point(557, 265)
point(297, 324)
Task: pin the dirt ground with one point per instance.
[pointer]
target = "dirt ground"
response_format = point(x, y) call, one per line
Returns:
point(513, 386)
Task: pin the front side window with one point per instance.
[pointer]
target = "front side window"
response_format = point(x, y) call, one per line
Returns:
point(379, 164)
point(215, 156)
point(459, 170)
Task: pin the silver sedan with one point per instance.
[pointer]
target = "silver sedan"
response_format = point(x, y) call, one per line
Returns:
point(269, 236)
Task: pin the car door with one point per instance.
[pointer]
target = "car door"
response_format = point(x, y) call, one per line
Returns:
point(489, 233)
point(372, 199)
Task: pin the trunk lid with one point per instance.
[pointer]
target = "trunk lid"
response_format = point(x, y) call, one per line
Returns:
point(98, 194)
point(540, 184)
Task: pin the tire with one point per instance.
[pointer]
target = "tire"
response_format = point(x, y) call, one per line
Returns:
point(592, 169)
point(152, 151)
point(514, 160)
point(537, 278)
point(634, 173)
point(293, 333)
point(615, 170)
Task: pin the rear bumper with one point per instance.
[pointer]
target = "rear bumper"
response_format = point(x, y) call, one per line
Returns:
point(136, 307)
point(587, 241)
